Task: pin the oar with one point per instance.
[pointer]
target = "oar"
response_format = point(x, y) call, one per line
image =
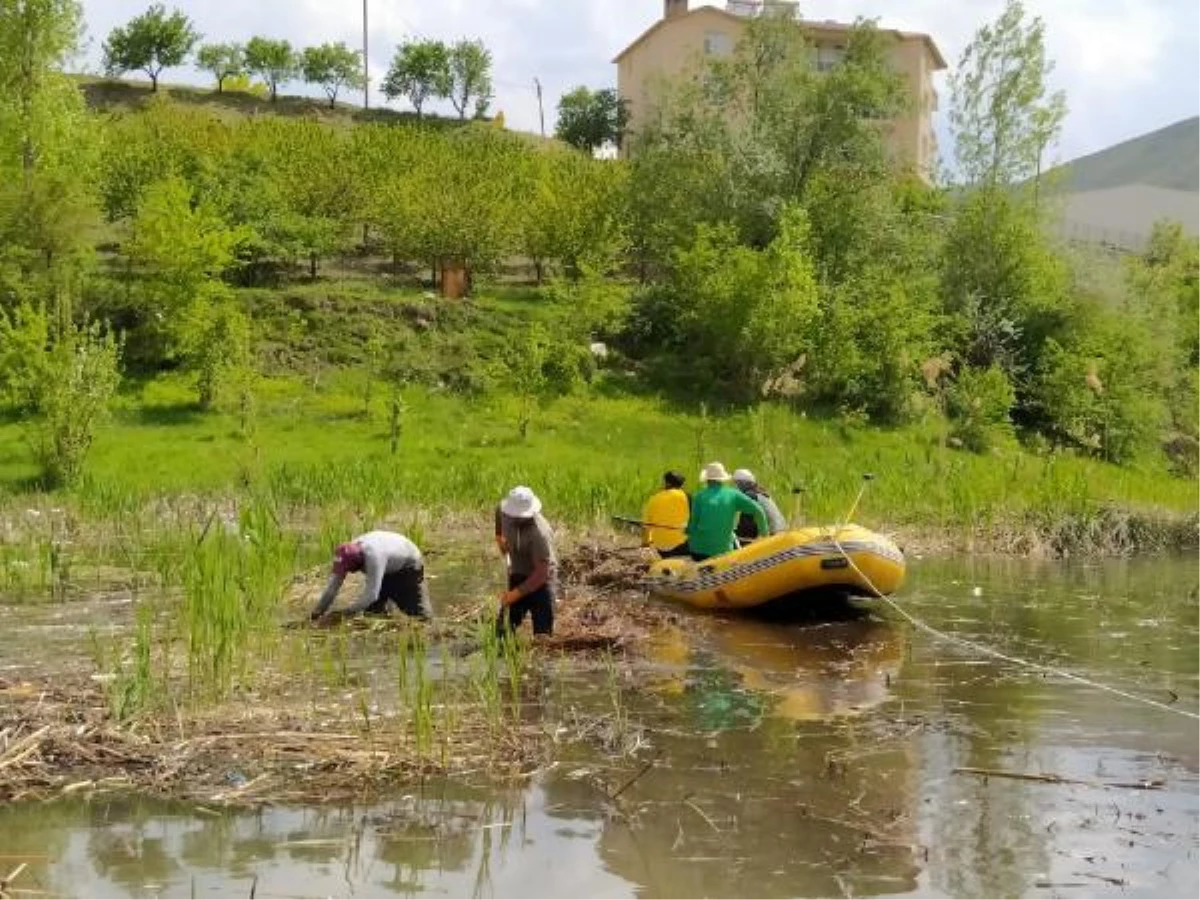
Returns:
point(639, 522)
point(867, 479)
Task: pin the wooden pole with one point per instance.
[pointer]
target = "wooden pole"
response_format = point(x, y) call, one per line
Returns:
point(541, 112)
point(366, 67)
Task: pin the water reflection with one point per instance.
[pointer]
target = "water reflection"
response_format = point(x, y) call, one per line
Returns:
point(744, 668)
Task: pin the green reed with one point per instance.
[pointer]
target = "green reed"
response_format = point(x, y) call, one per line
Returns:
point(485, 674)
point(422, 695)
point(134, 689)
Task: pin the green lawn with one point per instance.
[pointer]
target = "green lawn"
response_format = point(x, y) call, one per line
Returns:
point(590, 456)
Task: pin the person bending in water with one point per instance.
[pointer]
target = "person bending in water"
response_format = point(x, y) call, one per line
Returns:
point(393, 571)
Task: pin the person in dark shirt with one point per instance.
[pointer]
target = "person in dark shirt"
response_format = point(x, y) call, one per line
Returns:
point(525, 537)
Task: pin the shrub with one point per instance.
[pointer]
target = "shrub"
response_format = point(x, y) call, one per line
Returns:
point(82, 372)
point(1098, 397)
point(978, 403)
point(734, 316)
point(24, 338)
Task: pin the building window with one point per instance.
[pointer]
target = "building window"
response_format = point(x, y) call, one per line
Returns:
point(717, 43)
point(829, 56)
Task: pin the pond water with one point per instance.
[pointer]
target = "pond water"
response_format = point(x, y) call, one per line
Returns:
point(768, 759)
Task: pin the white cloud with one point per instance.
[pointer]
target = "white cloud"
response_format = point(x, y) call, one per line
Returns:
point(1128, 66)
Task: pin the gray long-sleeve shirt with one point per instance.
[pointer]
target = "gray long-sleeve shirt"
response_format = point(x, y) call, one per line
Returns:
point(774, 517)
point(384, 552)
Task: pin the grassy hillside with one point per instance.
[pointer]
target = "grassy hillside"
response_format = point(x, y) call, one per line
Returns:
point(107, 94)
point(1165, 158)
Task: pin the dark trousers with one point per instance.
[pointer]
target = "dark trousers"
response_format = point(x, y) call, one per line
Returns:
point(539, 606)
point(675, 552)
point(405, 588)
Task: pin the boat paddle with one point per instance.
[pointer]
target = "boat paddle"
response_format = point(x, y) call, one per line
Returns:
point(640, 523)
point(868, 477)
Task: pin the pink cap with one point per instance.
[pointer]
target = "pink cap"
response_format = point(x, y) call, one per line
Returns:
point(347, 558)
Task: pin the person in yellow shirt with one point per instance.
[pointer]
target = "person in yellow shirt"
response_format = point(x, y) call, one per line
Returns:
point(666, 516)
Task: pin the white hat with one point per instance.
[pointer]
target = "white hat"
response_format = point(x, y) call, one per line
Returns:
point(521, 503)
point(714, 471)
point(744, 476)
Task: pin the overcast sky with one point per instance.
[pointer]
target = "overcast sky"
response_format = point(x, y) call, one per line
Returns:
point(1127, 66)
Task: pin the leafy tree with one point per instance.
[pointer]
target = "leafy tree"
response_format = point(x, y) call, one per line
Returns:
point(36, 37)
point(1002, 117)
point(420, 70)
point(48, 145)
point(272, 61)
point(590, 119)
point(300, 200)
point(179, 244)
point(1097, 390)
point(150, 42)
point(165, 139)
point(1003, 287)
point(763, 125)
point(457, 204)
point(538, 367)
point(573, 212)
point(181, 251)
point(671, 188)
point(333, 66)
point(470, 77)
point(60, 384)
point(406, 191)
point(872, 334)
point(218, 350)
point(223, 61)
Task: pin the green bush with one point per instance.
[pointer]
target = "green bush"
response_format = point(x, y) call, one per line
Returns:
point(873, 335)
point(1097, 394)
point(735, 317)
point(82, 372)
point(979, 403)
point(24, 338)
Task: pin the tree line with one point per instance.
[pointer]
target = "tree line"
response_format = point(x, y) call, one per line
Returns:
point(421, 70)
point(776, 252)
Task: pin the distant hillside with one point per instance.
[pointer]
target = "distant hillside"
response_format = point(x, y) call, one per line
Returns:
point(114, 95)
point(1166, 158)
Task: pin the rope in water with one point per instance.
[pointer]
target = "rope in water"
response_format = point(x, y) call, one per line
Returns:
point(996, 654)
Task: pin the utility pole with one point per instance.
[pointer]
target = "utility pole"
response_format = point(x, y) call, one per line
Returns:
point(366, 67)
point(541, 112)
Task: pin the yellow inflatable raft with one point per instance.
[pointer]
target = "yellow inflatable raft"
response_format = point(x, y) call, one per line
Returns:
point(786, 563)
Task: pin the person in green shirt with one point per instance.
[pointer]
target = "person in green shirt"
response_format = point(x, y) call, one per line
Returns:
point(715, 511)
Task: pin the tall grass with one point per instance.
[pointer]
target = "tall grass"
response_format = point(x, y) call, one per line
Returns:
point(594, 456)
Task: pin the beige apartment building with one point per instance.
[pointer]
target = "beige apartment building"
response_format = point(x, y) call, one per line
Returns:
point(683, 37)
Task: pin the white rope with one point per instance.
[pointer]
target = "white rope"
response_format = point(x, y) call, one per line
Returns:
point(996, 654)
